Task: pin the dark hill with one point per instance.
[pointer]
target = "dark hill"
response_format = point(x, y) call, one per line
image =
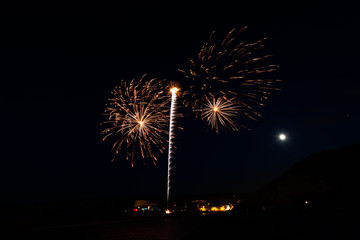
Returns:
point(324, 179)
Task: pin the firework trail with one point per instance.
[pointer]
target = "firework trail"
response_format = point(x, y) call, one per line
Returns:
point(138, 118)
point(173, 91)
point(231, 69)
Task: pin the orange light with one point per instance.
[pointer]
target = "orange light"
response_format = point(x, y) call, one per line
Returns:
point(216, 109)
point(173, 90)
point(202, 209)
point(214, 209)
point(167, 211)
point(141, 123)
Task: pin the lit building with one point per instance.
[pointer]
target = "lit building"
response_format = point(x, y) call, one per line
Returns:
point(204, 206)
point(144, 206)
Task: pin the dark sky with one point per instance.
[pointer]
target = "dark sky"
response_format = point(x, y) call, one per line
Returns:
point(60, 62)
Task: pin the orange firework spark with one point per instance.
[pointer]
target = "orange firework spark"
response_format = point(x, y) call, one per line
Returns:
point(232, 68)
point(138, 118)
point(220, 110)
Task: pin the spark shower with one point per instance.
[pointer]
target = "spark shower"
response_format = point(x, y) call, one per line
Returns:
point(227, 81)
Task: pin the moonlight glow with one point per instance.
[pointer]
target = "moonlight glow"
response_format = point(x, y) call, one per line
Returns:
point(282, 137)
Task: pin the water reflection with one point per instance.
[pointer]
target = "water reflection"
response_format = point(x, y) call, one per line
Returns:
point(162, 229)
point(154, 228)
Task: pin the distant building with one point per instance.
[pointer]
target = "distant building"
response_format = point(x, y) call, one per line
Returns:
point(145, 205)
point(204, 206)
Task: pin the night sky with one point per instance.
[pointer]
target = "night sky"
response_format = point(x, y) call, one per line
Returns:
point(59, 64)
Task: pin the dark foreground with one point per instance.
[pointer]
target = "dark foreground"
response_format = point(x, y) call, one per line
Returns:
point(257, 225)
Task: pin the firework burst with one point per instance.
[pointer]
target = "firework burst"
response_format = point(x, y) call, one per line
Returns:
point(138, 117)
point(232, 68)
point(218, 111)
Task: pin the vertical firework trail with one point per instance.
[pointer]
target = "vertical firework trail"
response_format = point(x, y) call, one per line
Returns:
point(171, 136)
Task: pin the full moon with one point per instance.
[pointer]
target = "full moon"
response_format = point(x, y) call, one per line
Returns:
point(282, 137)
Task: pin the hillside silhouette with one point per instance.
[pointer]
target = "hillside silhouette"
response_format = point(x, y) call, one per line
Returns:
point(325, 179)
